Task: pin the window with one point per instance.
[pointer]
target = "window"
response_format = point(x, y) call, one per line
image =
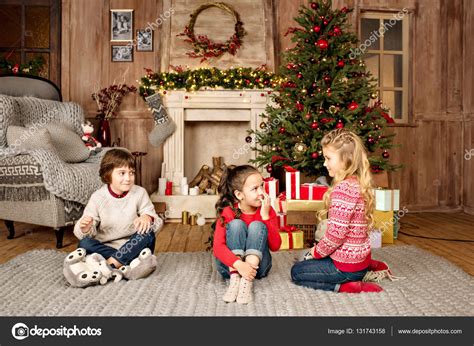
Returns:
point(30, 28)
point(384, 44)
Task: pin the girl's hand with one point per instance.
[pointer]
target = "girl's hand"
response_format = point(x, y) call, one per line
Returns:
point(142, 224)
point(85, 224)
point(265, 208)
point(246, 270)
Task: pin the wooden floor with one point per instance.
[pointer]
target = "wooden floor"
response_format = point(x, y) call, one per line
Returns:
point(183, 238)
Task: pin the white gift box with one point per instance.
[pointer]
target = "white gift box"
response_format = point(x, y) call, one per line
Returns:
point(387, 200)
point(375, 239)
point(292, 182)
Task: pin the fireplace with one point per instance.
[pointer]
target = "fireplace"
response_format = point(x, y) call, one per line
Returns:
point(208, 123)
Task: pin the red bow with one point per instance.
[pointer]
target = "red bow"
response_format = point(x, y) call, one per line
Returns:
point(289, 169)
point(276, 158)
point(289, 230)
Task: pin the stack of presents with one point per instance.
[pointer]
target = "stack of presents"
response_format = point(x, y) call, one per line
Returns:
point(298, 204)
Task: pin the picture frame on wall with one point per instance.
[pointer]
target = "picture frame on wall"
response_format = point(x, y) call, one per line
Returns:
point(145, 40)
point(121, 25)
point(122, 53)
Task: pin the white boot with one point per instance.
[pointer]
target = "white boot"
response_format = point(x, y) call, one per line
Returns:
point(231, 293)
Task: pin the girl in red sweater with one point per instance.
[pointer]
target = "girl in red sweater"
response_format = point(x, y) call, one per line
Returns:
point(246, 229)
point(342, 257)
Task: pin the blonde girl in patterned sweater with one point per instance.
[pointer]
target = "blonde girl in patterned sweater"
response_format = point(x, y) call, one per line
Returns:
point(342, 257)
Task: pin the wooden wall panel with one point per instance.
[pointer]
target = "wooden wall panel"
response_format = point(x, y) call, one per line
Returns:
point(435, 177)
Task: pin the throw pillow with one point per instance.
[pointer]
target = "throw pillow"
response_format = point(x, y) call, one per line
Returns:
point(68, 144)
point(24, 138)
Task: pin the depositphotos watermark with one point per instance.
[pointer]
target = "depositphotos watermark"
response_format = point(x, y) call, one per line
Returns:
point(469, 154)
point(21, 331)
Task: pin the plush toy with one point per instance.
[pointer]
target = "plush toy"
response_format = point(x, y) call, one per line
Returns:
point(92, 143)
point(82, 271)
point(140, 267)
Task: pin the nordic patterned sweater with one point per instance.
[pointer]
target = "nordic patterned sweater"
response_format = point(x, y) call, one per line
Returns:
point(346, 239)
point(113, 217)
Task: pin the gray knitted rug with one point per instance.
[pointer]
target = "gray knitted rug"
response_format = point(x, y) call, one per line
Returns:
point(186, 284)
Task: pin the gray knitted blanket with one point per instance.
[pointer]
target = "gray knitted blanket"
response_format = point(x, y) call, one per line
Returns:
point(69, 181)
point(187, 284)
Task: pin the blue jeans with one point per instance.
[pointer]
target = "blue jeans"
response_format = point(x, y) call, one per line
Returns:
point(127, 252)
point(322, 274)
point(243, 241)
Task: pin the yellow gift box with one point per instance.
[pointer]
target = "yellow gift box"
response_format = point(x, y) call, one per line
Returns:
point(384, 222)
point(304, 205)
point(298, 240)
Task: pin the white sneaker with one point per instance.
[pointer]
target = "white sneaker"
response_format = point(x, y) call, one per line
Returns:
point(231, 293)
point(245, 295)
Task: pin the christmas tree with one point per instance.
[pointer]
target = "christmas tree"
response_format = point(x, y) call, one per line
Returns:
point(325, 86)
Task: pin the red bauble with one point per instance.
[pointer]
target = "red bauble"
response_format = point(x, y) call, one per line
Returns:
point(353, 106)
point(327, 79)
point(322, 44)
point(307, 116)
point(336, 31)
point(314, 125)
point(370, 140)
point(325, 22)
point(299, 75)
point(316, 28)
point(340, 63)
point(344, 9)
point(282, 130)
point(314, 5)
point(269, 168)
point(339, 124)
point(385, 154)
point(314, 155)
point(299, 106)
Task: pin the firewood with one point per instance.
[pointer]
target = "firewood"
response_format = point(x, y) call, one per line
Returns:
point(203, 185)
point(204, 169)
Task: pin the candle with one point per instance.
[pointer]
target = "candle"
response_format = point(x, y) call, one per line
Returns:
point(185, 189)
point(161, 186)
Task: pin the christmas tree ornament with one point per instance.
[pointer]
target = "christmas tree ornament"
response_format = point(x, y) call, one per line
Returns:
point(316, 28)
point(299, 75)
point(327, 79)
point(340, 63)
point(263, 125)
point(314, 155)
point(339, 124)
point(300, 147)
point(332, 109)
point(353, 106)
point(269, 168)
point(325, 22)
point(274, 148)
point(314, 5)
point(314, 125)
point(337, 31)
point(299, 106)
point(374, 95)
point(164, 125)
point(385, 154)
point(370, 140)
point(307, 116)
point(282, 130)
point(248, 139)
point(322, 44)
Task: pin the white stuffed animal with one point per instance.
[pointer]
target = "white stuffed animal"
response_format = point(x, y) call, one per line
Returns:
point(82, 271)
point(140, 267)
point(90, 142)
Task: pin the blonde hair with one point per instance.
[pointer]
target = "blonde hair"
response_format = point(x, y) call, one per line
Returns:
point(353, 154)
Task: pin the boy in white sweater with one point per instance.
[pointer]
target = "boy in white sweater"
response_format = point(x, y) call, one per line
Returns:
point(119, 221)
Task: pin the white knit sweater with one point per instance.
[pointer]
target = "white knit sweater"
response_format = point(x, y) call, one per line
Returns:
point(113, 217)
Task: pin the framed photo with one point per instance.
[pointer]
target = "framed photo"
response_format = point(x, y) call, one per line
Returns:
point(122, 53)
point(121, 25)
point(145, 40)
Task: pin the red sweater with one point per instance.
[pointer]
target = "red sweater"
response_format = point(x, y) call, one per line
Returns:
point(346, 239)
point(223, 253)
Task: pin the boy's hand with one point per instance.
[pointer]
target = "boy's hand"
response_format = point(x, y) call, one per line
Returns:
point(86, 224)
point(142, 224)
point(265, 208)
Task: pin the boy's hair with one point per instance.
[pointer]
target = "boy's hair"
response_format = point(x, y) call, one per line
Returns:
point(114, 158)
point(352, 152)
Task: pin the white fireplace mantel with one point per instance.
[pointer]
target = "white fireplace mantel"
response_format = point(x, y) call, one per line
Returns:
point(177, 102)
point(182, 107)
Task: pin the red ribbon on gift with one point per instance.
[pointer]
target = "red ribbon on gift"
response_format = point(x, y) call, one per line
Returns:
point(289, 230)
point(281, 198)
point(289, 169)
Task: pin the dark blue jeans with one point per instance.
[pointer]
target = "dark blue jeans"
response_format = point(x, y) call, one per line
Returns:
point(243, 241)
point(127, 252)
point(322, 274)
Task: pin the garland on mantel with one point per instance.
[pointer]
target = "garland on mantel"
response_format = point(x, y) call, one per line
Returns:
point(206, 79)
